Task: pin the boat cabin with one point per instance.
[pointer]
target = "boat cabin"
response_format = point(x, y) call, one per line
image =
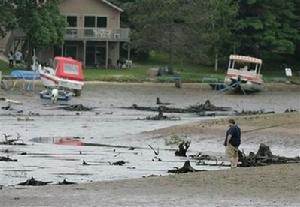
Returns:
point(245, 64)
point(68, 68)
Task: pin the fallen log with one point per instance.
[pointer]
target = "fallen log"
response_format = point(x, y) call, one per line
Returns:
point(198, 108)
point(34, 182)
point(7, 159)
point(65, 182)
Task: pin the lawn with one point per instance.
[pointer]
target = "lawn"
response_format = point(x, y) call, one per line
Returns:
point(139, 72)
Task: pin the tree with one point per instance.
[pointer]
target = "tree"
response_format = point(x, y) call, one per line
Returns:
point(42, 23)
point(7, 18)
point(267, 27)
point(158, 25)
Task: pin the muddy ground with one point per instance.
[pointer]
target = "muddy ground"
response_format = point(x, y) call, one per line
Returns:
point(117, 130)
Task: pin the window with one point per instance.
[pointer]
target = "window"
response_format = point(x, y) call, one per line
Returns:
point(89, 21)
point(72, 21)
point(101, 22)
point(71, 69)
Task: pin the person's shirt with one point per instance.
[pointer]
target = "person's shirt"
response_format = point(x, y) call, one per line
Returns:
point(235, 133)
point(18, 56)
point(10, 56)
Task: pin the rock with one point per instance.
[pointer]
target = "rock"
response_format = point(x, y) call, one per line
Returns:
point(33, 182)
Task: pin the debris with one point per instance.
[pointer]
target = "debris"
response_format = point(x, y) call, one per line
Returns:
point(65, 182)
point(10, 101)
point(77, 107)
point(201, 156)
point(290, 110)
point(253, 112)
point(207, 106)
point(7, 159)
point(182, 148)
point(131, 148)
point(84, 163)
point(264, 157)
point(185, 169)
point(33, 182)
point(158, 102)
point(121, 163)
point(23, 153)
point(8, 141)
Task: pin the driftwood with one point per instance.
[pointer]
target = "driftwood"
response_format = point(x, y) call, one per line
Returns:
point(254, 112)
point(185, 169)
point(7, 159)
point(198, 108)
point(182, 148)
point(33, 182)
point(121, 163)
point(65, 182)
point(77, 107)
point(264, 157)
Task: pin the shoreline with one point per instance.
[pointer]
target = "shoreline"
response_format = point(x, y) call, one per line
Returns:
point(259, 186)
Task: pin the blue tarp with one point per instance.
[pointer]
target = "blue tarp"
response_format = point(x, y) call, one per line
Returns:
point(25, 74)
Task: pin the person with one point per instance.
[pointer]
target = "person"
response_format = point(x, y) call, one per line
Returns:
point(232, 142)
point(11, 59)
point(18, 56)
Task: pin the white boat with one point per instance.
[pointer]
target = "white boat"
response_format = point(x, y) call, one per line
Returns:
point(244, 74)
point(67, 74)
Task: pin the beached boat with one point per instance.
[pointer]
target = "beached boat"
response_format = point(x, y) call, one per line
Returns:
point(67, 74)
point(244, 74)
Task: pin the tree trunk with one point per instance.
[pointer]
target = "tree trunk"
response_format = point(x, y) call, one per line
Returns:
point(216, 61)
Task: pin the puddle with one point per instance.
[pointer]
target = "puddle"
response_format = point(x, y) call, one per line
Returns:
point(71, 141)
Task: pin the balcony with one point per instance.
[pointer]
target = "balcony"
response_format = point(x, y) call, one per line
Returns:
point(97, 34)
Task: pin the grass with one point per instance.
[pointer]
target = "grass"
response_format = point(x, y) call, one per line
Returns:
point(140, 72)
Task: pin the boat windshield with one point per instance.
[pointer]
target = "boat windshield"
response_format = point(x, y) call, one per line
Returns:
point(244, 66)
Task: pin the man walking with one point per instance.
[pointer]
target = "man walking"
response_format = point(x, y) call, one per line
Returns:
point(232, 142)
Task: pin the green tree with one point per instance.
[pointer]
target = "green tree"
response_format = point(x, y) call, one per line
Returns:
point(267, 27)
point(7, 18)
point(42, 23)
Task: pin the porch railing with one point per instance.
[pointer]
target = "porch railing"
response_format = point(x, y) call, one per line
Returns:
point(74, 33)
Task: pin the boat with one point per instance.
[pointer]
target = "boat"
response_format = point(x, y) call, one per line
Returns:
point(66, 74)
point(61, 96)
point(244, 74)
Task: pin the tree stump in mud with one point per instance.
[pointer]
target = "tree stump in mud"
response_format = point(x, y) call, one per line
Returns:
point(185, 169)
point(182, 148)
point(264, 151)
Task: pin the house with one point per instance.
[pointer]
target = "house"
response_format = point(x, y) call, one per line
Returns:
point(93, 34)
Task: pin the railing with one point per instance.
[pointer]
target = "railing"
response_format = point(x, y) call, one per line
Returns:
point(74, 33)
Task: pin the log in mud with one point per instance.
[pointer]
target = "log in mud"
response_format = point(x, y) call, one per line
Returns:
point(198, 108)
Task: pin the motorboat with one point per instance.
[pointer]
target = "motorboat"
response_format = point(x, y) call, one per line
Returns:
point(244, 74)
point(66, 74)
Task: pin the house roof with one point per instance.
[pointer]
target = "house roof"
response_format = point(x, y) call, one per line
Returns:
point(112, 5)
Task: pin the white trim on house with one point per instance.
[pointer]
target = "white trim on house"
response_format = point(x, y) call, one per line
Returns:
point(112, 5)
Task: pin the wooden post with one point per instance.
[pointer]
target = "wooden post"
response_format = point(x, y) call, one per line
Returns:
point(62, 49)
point(128, 51)
point(106, 58)
point(84, 53)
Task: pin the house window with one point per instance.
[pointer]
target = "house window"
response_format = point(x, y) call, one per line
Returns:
point(89, 21)
point(101, 22)
point(72, 21)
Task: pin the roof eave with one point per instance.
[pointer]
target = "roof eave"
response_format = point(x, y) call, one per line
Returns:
point(112, 5)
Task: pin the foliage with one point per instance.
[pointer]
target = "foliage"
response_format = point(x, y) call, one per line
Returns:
point(42, 23)
point(267, 27)
point(7, 18)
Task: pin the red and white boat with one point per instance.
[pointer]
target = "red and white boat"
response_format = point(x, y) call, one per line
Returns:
point(244, 74)
point(67, 73)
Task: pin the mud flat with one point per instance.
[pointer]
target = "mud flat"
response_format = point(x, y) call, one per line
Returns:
point(117, 134)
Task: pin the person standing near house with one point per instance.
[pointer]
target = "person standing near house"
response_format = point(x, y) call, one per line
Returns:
point(232, 142)
point(18, 56)
point(11, 59)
